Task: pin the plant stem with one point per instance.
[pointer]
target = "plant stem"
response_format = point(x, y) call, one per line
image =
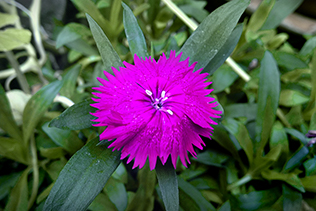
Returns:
point(240, 182)
point(282, 117)
point(192, 25)
point(21, 78)
point(35, 173)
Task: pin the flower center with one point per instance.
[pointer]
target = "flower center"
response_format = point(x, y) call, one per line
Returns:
point(158, 103)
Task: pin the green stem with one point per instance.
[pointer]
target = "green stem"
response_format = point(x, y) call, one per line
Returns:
point(240, 182)
point(282, 117)
point(192, 25)
point(35, 173)
point(21, 78)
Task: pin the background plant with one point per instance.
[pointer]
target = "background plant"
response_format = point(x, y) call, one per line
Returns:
point(258, 158)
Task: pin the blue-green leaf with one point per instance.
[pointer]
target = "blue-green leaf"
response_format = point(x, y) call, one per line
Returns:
point(168, 183)
point(37, 106)
point(76, 117)
point(268, 99)
point(83, 177)
point(135, 36)
point(208, 39)
point(109, 56)
point(195, 195)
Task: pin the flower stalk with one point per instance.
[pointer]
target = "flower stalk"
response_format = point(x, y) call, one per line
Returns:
point(35, 173)
point(21, 78)
point(193, 25)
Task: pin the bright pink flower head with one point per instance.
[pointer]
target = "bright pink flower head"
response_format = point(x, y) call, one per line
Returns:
point(155, 109)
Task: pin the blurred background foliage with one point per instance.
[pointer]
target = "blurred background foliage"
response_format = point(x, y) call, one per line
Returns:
point(259, 157)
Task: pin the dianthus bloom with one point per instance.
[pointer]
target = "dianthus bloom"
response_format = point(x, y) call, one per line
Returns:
point(155, 109)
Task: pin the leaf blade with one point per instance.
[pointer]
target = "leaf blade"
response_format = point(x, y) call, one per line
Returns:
point(168, 183)
point(83, 177)
point(217, 26)
point(135, 36)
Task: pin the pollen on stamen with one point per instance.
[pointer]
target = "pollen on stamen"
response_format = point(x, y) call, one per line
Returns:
point(163, 94)
point(170, 112)
point(148, 92)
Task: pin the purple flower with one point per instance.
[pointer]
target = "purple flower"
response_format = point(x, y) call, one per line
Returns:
point(155, 109)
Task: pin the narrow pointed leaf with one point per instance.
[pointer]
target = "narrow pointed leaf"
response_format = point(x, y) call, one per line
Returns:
point(65, 138)
point(268, 99)
point(7, 122)
point(292, 198)
point(18, 198)
point(135, 36)
point(240, 132)
point(168, 183)
point(70, 80)
point(37, 106)
point(109, 56)
point(195, 195)
point(225, 51)
point(76, 117)
point(208, 39)
point(83, 177)
point(281, 9)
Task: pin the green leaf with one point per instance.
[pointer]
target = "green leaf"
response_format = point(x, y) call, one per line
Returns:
point(291, 98)
point(70, 33)
point(212, 158)
point(13, 38)
point(289, 61)
point(90, 8)
point(187, 203)
point(109, 56)
point(102, 202)
point(258, 18)
point(7, 122)
point(291, 178)
point(14, 150)
point(7, 19)
point(134, 35)
point(144, 198)
point(82, 46)
point(7, 182)
point(297, 158)
point(248, 110)
point(153, 10)
point(37, 106)
point(225, 207)
point(240, 132)
point(309, 183)
point(263, 163)
point(116, 192)
point(211, 35)
point(18, 199)
point(292, 199)
point(67, 139)
point(223, 78)
point(256, 199)
point(195, 195)
point(268, 99)
point(168, 184)
point(308, 48)
point(83, 177)
point(70, 80)
point(281, 9)
point(222, 138)
point(76, 117)
point(297, 134)
point(310, 166)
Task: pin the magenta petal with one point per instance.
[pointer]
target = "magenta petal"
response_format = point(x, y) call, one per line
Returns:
point(155, 109)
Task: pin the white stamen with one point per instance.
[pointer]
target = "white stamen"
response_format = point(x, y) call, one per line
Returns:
point(148, 92)
point(163, 94)
point(170, 112)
